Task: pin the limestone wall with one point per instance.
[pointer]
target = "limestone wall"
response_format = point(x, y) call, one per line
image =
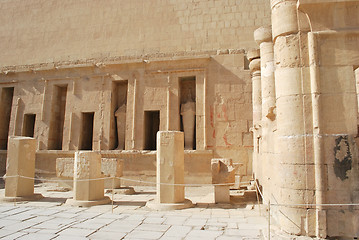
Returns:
point(38, 31)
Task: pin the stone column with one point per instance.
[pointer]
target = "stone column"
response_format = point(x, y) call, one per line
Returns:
point(255, 67)
point(188, 112)
point(121, 126)
point(263, 37)
point(20, 170)
point(222, 173)
point(293, 136)
point(170, 171)
point(88, 187)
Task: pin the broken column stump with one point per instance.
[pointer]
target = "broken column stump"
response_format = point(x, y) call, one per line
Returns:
point(88, 185)
point(20, 170)
point(112, 167)
point(170, 172)
point(222, 173)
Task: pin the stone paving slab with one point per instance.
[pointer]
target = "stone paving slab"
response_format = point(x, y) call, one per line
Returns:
point(139, 234)
point(105, 235)
point(128, 218)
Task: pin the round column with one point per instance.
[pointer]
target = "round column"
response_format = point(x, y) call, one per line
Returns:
point(255, 67)
point(291, 137)
point(263, 37)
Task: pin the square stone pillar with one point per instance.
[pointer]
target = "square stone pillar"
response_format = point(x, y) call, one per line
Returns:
point(170, 171)
point(88, 187)
point(20, 169)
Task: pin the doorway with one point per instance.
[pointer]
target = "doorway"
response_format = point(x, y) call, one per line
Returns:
point(28, 128)
point(86, 137)
point(151, 127)
point(7, 95)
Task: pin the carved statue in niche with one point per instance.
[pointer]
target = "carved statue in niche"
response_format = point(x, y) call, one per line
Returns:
point(188, 112)
point(120, 115)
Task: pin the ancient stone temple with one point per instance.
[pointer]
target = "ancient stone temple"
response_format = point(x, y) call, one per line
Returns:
point(270, 85)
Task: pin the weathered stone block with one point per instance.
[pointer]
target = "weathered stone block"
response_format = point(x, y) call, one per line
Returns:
point(223, 172)
point(20, 164)
point(110, 167)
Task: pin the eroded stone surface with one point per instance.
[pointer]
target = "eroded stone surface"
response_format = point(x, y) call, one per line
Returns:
point(110, 167)
point(170, 188)
point(88, 180)
point(20, 168)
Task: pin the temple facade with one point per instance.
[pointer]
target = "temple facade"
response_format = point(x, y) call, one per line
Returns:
point(270, 85)
point(80, 75)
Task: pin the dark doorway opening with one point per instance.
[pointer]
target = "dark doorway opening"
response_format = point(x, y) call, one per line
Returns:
point(57, 118)
point(151, 127)
point(29, 125)
point(86, 135)
point(7, 95)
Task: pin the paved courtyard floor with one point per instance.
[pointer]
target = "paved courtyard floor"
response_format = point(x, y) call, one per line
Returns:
point(129, 218)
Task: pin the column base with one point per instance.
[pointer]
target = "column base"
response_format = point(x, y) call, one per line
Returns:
point(153, 204)
point(79, 203)
point(221, 194)
point(122, 190)
point(35, 197)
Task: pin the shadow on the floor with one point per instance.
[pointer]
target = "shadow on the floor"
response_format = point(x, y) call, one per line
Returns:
point(146, 193)
point(53, 199)
point(129, 203)
point(238, 199)
point(221, 205)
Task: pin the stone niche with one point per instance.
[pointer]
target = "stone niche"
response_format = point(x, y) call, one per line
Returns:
point(188, 111)
point(118, 110)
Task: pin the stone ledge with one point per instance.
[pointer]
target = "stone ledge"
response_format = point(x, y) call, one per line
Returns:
point(102, 62)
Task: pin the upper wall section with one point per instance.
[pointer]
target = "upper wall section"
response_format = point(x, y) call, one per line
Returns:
point(329, 14)
point(45, 31)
